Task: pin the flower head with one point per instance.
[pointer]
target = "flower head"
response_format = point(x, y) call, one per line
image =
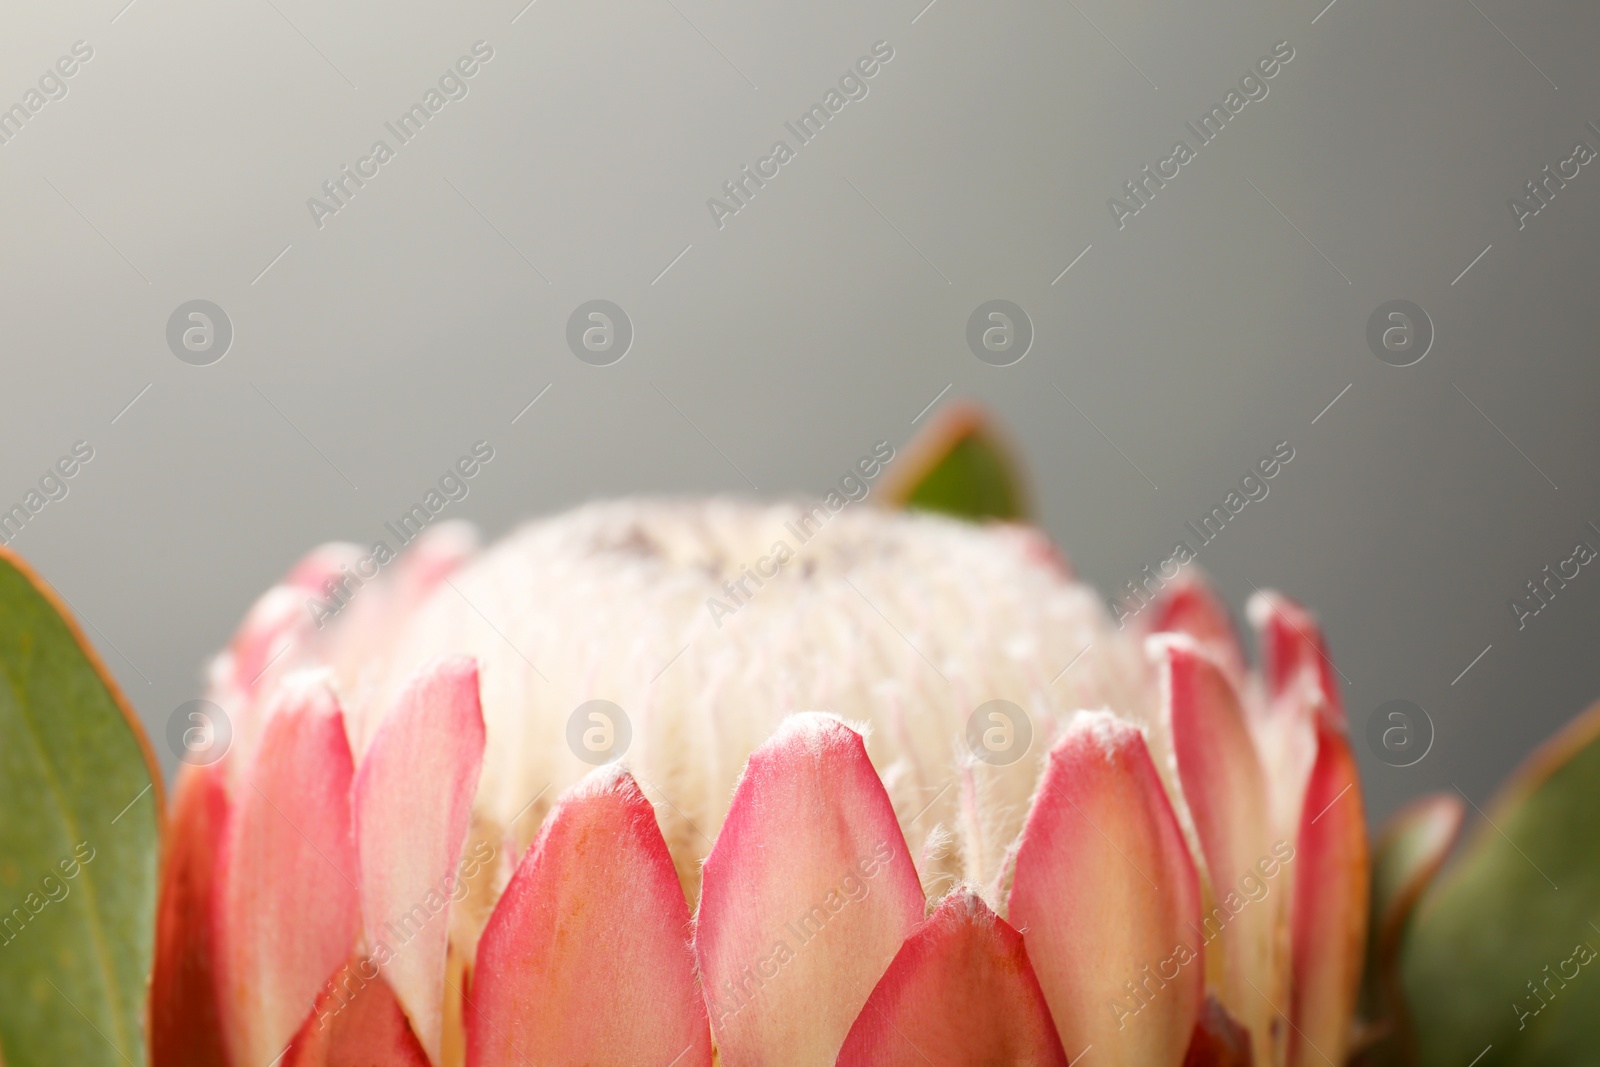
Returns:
point(872, 787)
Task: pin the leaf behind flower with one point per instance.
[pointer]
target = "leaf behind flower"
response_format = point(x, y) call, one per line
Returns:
point(80, 803)
point(1520, 906)
point(959, 464)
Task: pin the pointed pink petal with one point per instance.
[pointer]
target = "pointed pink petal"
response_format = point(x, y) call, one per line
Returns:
point(433, 557)
point(356, 1022)
point(282, 618)
point(261, 635)
point(1300, 691)
point(1329, 924)
point(1226, 791)
point(413, 799)
point(959, 992)
point(1291, 642)
point(1107, 898)
point(289, 911)
point(280, 634)
point(185, 1016)
point(1188, 605)
point(807, 895)
point(586, 958)
point(361, 642)
point(322, 565)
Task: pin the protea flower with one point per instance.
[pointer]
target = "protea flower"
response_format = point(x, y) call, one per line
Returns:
point(884, 788)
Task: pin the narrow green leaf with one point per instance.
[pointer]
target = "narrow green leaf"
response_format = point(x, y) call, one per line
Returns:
point(960, 466)
point(1502, 959)
point(79, 814)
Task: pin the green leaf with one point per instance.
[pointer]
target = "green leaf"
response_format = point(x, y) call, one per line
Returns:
point(960, 466)
point(79, 813)
point(1520, 906)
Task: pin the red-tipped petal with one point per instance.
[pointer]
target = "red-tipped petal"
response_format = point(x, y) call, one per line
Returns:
point(961, 993)
point(439, 552)
point(361, 642)
point(1291, 642)
point(412, 801)
point(281, 633)
point(1226, 791)
point(264, 634)
point(1219, 1040)
point(185, 1016)
point(1188, 605)
point(1329, 919)
point(356, 1022)
point(1034, 545)
point(1283, 717)
point(586, 958)
point(313, 571)
point(808, 894)
point(282, 617)
point(289, 909)
point(1106, 895)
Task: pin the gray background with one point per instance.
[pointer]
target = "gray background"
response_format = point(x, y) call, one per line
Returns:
point(830, 312)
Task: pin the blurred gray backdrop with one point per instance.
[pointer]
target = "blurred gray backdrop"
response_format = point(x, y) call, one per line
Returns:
point(372, 344)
